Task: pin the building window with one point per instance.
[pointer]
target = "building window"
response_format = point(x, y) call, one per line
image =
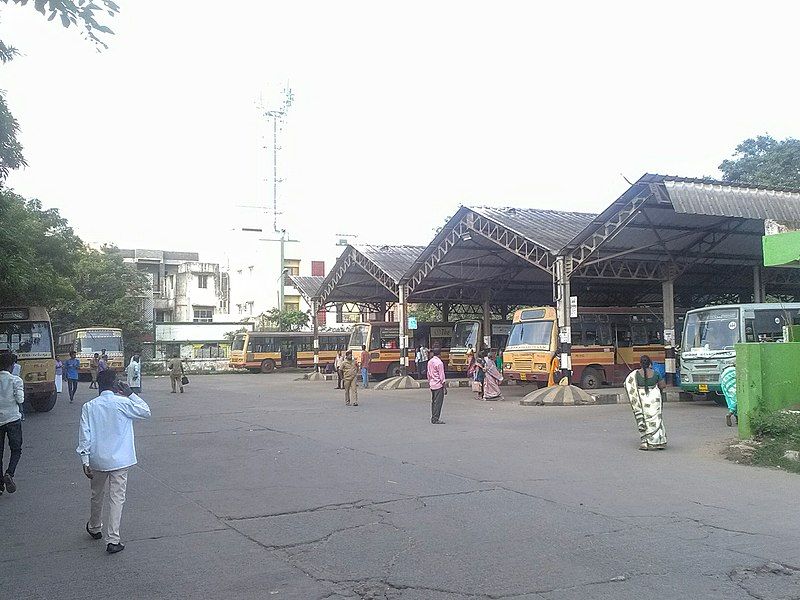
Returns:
point(202, 281)
point(291, 266)
point(291, 303)
point(203, 314)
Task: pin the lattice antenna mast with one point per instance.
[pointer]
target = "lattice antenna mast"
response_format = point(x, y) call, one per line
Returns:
point(278, 118)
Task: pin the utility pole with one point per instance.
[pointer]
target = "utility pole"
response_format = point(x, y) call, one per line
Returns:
point(278, 116)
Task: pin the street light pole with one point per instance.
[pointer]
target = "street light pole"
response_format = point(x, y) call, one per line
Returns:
point(282, 271)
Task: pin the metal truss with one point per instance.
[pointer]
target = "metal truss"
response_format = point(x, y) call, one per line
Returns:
point(627, 269)
point(782, 276)
point(471, 223)
point(609, 229)
point(345, 262)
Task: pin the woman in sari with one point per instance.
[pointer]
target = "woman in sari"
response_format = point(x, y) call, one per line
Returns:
point(492, 379)
point(644, 387)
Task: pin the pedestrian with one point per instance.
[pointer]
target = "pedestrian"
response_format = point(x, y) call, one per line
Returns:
point(16, 370)
point(134, 373)
point(102, 364)
point(71, 366)
point(438, 386)
point(727, 381)
point(94, 369)
point(498, 361)
point(479, 374)
point(644, 387)
point(59, 375)
point(364, 364)
point(107, 451)
point(492, 379)
point(12, 395)
point(337, 364)
point(421, 358)
point(176, 373)
point(350, 378)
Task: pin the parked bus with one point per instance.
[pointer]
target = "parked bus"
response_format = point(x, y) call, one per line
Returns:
point(382, 340)
point(266, 351)
point(26, 332)
point(88, 340)
point(710, 333)
point(467, 334)
point(606, 344)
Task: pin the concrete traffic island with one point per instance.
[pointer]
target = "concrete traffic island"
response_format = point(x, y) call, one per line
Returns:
point(403, 382)
point(558, 395)
point(316, 376)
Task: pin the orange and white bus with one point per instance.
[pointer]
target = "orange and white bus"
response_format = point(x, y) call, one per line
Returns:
point(265, 351)
point(382, 340)
point(606, 344)
point(467, 334)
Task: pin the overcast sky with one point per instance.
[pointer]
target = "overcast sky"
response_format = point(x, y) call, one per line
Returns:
point(402, 112)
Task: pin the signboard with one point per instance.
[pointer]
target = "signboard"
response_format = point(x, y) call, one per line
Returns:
point(441, 332)
point(669, 337)
point(573, 307)
point(412, 322)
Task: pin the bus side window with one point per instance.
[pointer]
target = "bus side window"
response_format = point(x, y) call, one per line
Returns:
point(78, 345)
point(605, 337)
point(639, 331)
point(590, 335)
point(577, 334)
point(624, 337)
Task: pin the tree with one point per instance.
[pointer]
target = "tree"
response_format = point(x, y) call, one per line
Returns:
point(40, 253)
point(109, 293)
point(82, 13)
point(425, 313)
point(764, 161)
point(284, 320)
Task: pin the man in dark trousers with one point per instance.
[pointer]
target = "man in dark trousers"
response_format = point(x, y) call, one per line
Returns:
point(438, 386)
point(12, 396)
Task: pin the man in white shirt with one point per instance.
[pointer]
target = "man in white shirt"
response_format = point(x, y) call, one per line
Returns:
point(12, 395)
point(106, 447)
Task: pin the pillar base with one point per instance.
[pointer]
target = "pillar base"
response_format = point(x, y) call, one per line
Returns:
point(404, 382)
point(558, 395)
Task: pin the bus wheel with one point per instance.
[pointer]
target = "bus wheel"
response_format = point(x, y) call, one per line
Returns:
point(268, 366)
point(44, 404)
point(591, 379)
point(394, 370)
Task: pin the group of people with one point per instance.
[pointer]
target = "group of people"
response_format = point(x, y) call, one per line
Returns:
point(485, 373)
point(69, 370)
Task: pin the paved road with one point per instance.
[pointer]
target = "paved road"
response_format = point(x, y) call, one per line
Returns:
point(265, 487)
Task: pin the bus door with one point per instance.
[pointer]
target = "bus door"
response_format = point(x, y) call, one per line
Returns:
point(288, 348)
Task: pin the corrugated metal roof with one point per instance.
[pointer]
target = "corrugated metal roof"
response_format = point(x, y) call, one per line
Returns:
point(392, 260)
point(732, 200)
point(551, 229)
point(308, 286)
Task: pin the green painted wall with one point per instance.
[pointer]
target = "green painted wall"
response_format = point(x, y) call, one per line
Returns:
point(782, 249)
point(767, 377)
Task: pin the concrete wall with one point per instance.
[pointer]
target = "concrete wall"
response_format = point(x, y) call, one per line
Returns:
point(767, 378)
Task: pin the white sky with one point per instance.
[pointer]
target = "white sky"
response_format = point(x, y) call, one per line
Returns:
point(402, 112)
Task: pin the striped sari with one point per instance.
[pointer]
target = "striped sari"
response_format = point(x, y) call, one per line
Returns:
point(646, 405)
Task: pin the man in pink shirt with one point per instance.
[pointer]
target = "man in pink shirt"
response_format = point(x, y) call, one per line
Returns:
point(437, 385)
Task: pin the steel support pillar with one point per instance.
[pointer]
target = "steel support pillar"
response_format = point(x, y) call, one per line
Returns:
point(315, 327)
point(668, 294)
point(486, 342)
point(402, 307)
point(759, 292)
point(563, 271)
point(446, 312)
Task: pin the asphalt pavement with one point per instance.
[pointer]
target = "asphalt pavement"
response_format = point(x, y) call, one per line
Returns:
point(262, 486)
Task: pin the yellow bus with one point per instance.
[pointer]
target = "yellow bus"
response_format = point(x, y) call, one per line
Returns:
point(606, 344)
point(87, 341)
point(266, 351)
point(468, 333)
point(382, 340)
point(26, 332)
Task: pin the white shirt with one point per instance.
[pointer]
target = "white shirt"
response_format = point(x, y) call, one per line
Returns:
point(12, 394)
point(105, 438)
point(134, 371)
point(422, 354)
point(16, 370)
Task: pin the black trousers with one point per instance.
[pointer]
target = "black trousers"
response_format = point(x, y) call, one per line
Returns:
point(14, 432)
point(437, 399)
point(72, 387)
point(339, 377)
point(422, 369)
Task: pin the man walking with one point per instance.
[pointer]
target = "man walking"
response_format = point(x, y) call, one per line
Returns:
point(12, 395)
point(438, 386)
point(421, 358)
point(364, 364)
point(337, 366)
point(71, 366)
point(107, 451)
point(350, 376)
point(94, 369)
point(176, 373)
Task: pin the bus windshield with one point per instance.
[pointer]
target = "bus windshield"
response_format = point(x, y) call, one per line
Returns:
point(530, 333)
point(360, 336)
point(29, 339)
point(465, 334)
point(238, 343)
point(713, 329)
point(96, 341)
